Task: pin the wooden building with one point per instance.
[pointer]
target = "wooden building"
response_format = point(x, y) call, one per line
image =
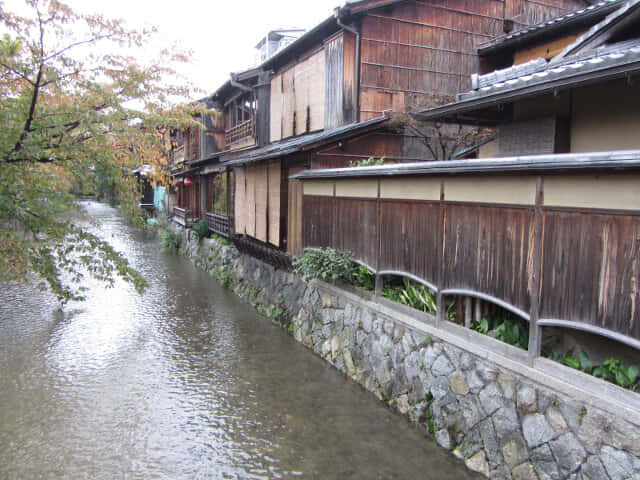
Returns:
point(196, 193)
point(580, 95)
point(315, 103)
point(371, 60)
point(548, 224)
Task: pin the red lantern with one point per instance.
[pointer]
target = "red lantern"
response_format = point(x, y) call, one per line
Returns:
point(188, 181)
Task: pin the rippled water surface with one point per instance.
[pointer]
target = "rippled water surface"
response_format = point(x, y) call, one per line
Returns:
point(182, 382)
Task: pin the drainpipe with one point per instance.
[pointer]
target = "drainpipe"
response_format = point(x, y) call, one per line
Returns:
point(234, 83)
point(338, 13)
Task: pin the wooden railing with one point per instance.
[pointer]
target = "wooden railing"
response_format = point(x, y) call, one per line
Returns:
point(219, 224)
point(240, 132)
point(262, 251)
point(183, 217)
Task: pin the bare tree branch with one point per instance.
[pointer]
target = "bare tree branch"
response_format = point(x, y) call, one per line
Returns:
point(78, 43)
point(20, 74)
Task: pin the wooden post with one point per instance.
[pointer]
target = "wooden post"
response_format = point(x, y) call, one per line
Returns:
point(468, 306)
point(439, 255)
point(379, 285)
point(334, 223)
point(230, 227)
point(478, 311)
point(379, 279)
point(266, 209)
point(535, 333)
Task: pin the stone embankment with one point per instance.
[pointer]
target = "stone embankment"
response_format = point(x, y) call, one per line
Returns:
point(479, 399)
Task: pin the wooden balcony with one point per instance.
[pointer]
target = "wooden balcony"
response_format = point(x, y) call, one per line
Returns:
point(240, 133)
point(184, 217)
point(219, 224)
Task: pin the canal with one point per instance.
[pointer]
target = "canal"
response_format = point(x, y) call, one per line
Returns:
point(183, 382)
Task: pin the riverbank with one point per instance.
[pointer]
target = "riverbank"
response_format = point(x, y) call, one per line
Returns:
point(478, 397)
point(183, 381)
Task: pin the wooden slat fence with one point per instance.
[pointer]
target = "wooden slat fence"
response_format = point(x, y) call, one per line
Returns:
point(219, 224)
point(556, 250)
point(184, 216)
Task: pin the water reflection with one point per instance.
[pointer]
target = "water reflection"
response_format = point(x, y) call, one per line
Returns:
point(182, 382)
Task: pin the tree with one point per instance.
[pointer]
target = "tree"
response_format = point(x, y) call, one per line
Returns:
point(447, 141)
point(443, 141)
point(70, 107)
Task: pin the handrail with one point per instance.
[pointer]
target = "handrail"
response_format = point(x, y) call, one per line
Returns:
point(240, 132)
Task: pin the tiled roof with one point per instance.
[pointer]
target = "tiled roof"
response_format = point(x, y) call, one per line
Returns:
point(556, 162)
point(600, 8)
point(539, 71)
point(599, 33)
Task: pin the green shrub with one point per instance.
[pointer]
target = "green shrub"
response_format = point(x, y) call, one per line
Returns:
point(325, 263)
point(615, 371)
point(392, 292)
point(364, 278)
point(162, 221)
point(369, 162)
point(579, 361)
point(418, 296)
point(201, 229)
point(170, 239)
point(411, 293)
point(507, 328)
point(220, 239)
point(612, 370)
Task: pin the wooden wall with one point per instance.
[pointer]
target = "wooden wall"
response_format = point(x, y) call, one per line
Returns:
point(532, 12)
point(298, 98)
point(593, 261)
point(258, 201)
point(477, 236)
point(213, 134)
point(377, 144)
point(546, 50)
point(263, 114)
point(340, 80)
point(349, 78)
point(293, 215)
point(191, 144)
point(334, 74)
point(189, 197)
point(420, 53)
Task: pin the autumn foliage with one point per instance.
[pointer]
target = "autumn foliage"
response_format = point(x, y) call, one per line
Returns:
point(73, 101)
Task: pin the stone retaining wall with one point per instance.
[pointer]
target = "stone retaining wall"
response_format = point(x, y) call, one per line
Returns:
point(504, 418)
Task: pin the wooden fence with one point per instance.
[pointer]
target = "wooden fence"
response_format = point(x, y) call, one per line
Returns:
point(219, 224)
point(184, 217)
point(557, 249)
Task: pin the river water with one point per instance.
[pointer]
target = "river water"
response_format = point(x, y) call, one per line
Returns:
point(183, 382)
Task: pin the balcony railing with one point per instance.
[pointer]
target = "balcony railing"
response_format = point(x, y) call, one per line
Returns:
point(219, 224)
point(262, 251)
point(184, 217)
point(240, 132)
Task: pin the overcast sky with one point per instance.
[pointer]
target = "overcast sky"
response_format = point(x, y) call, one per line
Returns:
point(221, 34)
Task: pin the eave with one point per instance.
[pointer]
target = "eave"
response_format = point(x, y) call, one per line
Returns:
point(477, 109)
point(621, 160)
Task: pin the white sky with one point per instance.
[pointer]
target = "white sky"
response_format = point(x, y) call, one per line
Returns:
point(221, 34)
